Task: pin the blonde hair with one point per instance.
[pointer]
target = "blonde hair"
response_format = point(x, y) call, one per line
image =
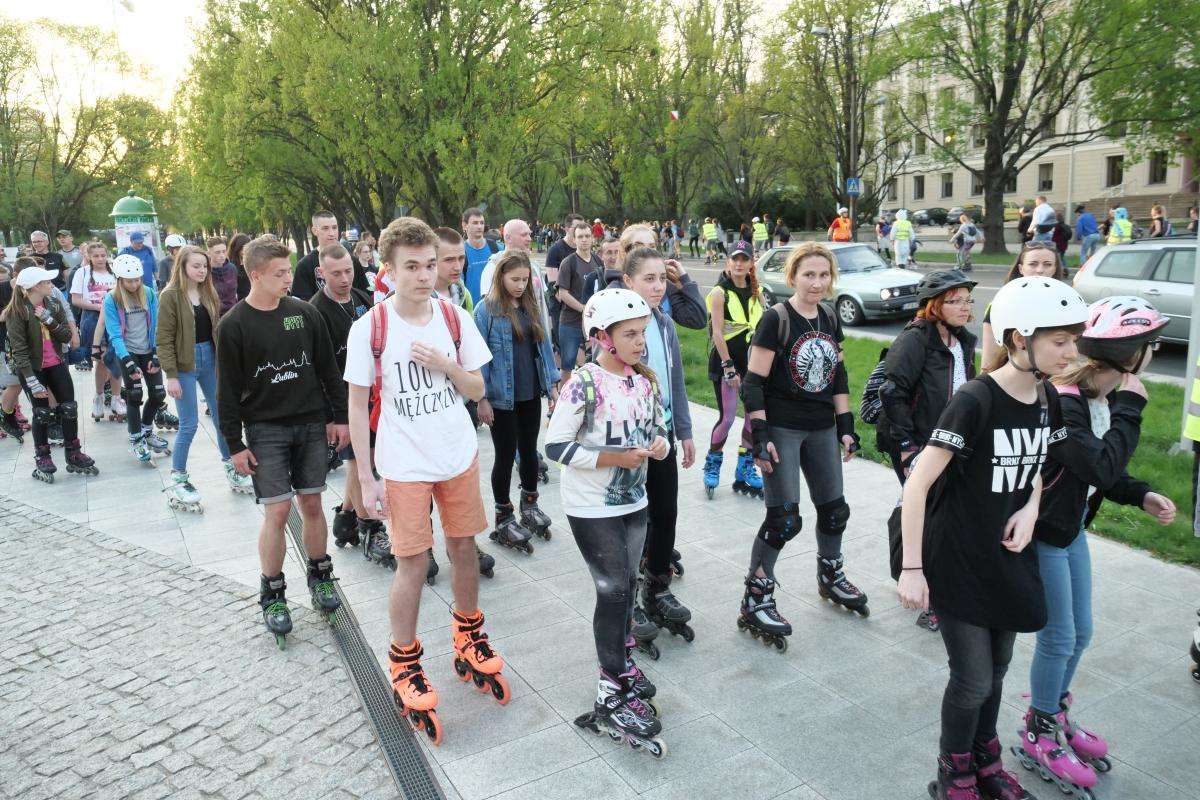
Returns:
point(405, 232)
point(626, 243)
point(180, 281)
point(128, 299)
point(803, 251)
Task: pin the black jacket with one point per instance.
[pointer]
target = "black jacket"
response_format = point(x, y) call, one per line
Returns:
point(304, 279)
point(917, 384)
point(1081, 460)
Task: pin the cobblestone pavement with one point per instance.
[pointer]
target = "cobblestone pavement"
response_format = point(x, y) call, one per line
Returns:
point(850, 712)
point(126, 674)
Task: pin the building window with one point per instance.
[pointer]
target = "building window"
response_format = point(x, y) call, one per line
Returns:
point(1158, 167)
point(1045, 177)
point(893, 150)
point(947, 184)
point(918, 187)
point(976, 184)
point(919, 146)
point(1114, 171)
point(893, 190)
point(1010, 184)
point(945, 98)
point(978, 135)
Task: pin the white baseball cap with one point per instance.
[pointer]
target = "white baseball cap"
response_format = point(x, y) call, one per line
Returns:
point(32, 276)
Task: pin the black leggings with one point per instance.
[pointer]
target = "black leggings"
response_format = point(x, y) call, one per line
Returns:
point(662, 492)
point(148, 389)
point(612, 547)
point(694, 246)
point(979, 659)
point(512, 432)
point(57, 381)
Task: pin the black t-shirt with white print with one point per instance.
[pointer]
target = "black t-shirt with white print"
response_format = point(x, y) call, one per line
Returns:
point(971, 575)
point(799, 390)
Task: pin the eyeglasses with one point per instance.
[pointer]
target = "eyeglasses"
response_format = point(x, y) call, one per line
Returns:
point(961, 301)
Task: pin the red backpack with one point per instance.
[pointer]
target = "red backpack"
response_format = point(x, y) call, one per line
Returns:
point(379, 340)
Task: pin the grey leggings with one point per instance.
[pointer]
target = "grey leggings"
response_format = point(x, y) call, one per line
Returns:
point(612, 547)
point(816, 454)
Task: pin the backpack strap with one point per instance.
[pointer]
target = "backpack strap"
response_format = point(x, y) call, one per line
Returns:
point(588, 384)
point(378, 341)
point(450, 315)
point(782, 323)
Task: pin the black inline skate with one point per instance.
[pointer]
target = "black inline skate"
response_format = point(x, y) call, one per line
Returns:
point(833, 586)
point(759, 615)
point(334, 456)
point(1195, 652)
point(325, 598)
point(165, 419)
point(431, 571)
point(663, 609)
point(956, 778)
point(510, 533)
point(677, 563)
point(345, 526)
point(644, 632)
point(10, 426)
point(43, 464)
point(533, 518)
point(620, 713)
point(79, 461)
point(638, 681)
point(543, 470)
point(487, 564)
point(376, 545)
point(54, 428)
point(276, 615)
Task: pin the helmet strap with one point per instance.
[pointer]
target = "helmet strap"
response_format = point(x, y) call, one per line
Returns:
point(1028, 351)
point(604, 340)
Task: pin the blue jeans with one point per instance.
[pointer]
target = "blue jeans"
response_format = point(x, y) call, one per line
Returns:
point(570, 338)
point(1067, 577)
point(189, 414)
point(1048, 236)
point(1088, 246)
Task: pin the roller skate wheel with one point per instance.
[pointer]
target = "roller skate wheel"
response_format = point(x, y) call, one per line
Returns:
point(279, 641)
point(480, 682)
point(655, 747)
point(932, 788)
point(741, 623)
point(527, 547)
point(462, 670)
point(588, 722)
point(545, 534)
point(687, 633)
point(863, 612)
point(678, 568)
point(1196, 674)
point(427, 721)
point(488, 573)
point(1101, 764)
point(500, 690)
point(653, 706)
point(781, 644)
point(708, 490)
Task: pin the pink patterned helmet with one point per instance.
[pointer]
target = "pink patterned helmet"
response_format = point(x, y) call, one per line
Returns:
point(1118, 328)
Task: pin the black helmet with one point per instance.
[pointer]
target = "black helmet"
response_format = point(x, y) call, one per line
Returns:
point(942, 280)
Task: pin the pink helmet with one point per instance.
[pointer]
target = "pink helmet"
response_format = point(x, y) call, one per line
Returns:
point(1118, 328)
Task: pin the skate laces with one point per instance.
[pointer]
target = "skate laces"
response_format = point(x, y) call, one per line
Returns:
point(276, 607)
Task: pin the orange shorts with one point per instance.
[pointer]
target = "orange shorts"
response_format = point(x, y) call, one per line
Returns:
point(459, 504)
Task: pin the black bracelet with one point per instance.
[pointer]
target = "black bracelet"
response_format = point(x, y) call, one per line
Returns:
point(907, 569)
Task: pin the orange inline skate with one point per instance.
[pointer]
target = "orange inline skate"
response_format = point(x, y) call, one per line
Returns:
point(414, 695)
point(474, 658)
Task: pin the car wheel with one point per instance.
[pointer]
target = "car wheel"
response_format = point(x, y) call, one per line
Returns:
point(849, 311)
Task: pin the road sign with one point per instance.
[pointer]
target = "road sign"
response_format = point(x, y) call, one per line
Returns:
point(854, 186)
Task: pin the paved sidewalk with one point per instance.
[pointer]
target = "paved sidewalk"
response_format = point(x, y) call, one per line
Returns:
point(848, 713)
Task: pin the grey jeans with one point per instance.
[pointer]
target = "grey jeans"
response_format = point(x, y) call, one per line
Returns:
point(816, 454)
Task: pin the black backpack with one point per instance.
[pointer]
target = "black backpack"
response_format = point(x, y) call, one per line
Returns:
point(870, 407)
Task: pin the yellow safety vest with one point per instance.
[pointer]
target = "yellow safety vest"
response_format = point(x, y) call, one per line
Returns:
point(710, 231)
point(902, 229)
point(1191, 427)
point(760, 231)
point(734, 322)
point(1121, 232)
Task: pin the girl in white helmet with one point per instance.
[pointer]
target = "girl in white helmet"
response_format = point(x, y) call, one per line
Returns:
point(969, 511)
point(130, 318)
point(607, 422)
point(1102, 402)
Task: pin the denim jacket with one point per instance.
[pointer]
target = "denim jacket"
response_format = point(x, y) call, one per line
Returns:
point(681, 415)
point(498, 373)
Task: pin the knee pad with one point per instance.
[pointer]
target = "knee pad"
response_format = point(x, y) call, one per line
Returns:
point(43, 415)
point(782, 525)
point(133, 394)
point(68, 410)
point(832, 517)
point(158, 392)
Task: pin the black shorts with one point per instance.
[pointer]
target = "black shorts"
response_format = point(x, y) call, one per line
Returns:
point(292, 459)
point(347, 452)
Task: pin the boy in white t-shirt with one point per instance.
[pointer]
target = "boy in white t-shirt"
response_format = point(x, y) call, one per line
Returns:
point(429, 354)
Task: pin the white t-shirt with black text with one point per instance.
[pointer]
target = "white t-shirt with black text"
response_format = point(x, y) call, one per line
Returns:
point(425, 433)
point(92, 285)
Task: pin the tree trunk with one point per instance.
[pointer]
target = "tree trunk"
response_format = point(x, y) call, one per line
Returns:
point(993, 198)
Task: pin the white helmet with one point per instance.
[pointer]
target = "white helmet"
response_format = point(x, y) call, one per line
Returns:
point(174, 240)
point(128, 265)
point(902, 215)
point(754, 220)
point(1026, 304)
point(610, 306)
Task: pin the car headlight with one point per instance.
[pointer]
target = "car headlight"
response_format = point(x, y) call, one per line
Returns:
point(884, 294)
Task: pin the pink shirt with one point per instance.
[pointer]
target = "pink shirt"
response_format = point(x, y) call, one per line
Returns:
point(49, 349)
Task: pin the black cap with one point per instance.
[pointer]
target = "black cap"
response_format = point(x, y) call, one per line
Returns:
point(942, 280)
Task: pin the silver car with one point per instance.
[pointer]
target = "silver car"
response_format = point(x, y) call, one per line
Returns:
point(866, 288)
point(1161, 271)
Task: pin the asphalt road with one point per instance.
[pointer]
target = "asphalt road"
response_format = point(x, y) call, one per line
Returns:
point(1169, 361)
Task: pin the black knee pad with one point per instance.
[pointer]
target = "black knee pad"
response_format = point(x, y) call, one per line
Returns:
point(832, 517)
point(133, 394)
point(43, 415)
point(68, 410)
point(782, 525)
point(157, 392)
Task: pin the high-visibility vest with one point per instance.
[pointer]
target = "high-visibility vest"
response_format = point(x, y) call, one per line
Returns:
point(841, 229)
point(1121, 232)
point(734, 323)
point(760, 232)
point(902, 229)
point(710, 231)
point(1191, 426)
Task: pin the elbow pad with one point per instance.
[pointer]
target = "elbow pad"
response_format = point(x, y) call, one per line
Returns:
point(752, 392)
point(841, 379)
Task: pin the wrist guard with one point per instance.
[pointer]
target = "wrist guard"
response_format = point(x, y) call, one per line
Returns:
point(845, 427)
point(128, 365)
point(761, 437)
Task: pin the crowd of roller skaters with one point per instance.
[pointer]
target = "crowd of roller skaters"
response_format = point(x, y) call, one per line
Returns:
point(392, 370)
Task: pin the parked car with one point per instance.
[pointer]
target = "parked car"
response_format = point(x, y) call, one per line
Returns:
point(975, 213)
point(866, 288)
point(930, 216)
point(1161, 271)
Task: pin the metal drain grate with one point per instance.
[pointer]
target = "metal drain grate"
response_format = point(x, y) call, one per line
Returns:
point(410, 769)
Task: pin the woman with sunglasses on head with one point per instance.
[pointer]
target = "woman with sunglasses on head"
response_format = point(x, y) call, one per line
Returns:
point(1035, 260)
point(929, 360)
point(1102, 400)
